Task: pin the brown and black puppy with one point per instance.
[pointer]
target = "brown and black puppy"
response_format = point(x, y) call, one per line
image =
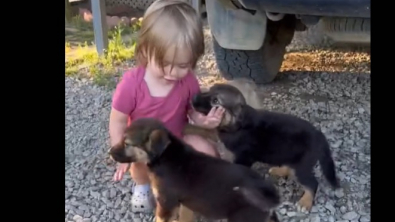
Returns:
point(249, 90)
point(179, 175)
point(290, 144)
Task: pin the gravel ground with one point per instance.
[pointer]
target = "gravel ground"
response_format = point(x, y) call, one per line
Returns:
point(329, 88)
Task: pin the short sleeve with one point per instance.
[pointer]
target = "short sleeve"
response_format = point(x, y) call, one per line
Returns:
point(124, 97)
point(194, 88)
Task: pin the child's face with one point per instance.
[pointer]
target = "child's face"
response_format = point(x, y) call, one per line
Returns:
point(176, 66)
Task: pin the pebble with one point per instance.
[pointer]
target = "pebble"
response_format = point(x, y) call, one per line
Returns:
point(350, 215)
point(339, 193)
point(364, 219)
point(343, 209)
point(315, 219)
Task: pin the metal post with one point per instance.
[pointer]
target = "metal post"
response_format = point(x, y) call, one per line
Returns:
point(68, 11)
point(100, 25)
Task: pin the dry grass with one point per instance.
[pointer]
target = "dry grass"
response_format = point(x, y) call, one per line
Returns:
point(327, 61)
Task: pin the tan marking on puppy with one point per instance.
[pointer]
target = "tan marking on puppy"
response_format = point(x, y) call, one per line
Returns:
point(306, 201)
point(139, 154)
point(185, 214)
point(164, 216)
point(225, 153)
point(282, 171)
point(160, 213)
point(154, 184)
point(227, 119)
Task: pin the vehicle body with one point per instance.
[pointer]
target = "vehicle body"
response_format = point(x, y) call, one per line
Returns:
point(250, 36)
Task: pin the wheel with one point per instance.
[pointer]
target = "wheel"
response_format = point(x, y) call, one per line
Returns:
point(348, 29)
point(260, 65)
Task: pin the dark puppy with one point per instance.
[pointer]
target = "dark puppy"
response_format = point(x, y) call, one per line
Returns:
point(291, 145)
point(179, 175)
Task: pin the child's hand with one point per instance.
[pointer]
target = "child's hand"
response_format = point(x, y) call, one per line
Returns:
point(121, 170)
point(214, 117)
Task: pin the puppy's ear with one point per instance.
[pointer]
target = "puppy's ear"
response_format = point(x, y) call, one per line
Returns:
point(158, 141)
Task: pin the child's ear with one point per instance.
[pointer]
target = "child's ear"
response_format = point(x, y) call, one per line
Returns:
point(158, 142)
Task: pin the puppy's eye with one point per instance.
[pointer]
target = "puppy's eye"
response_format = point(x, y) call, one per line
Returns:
point(215, 101)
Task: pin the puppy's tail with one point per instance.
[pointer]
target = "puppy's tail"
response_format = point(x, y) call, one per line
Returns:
point(327, 163)
point(265, 197)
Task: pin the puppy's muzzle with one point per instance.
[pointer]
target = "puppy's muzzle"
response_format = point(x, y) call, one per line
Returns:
point(117, 155)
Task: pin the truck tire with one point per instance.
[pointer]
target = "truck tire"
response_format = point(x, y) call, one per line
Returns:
point(260, 65)
point(347, 29)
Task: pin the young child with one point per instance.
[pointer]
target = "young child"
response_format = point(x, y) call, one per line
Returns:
point(170, 43)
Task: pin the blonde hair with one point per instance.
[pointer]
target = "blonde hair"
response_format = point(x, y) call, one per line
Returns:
point(166, 24)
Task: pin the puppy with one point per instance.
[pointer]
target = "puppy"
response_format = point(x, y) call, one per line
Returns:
point(289, 144)
point(249, 90)
point(179, 175)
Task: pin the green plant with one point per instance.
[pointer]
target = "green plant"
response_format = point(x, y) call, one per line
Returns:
point(87, 62)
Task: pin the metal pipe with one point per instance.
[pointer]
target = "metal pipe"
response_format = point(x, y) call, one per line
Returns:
point(274, 16)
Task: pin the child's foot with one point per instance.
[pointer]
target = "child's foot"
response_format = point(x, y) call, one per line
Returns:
point(142, 199)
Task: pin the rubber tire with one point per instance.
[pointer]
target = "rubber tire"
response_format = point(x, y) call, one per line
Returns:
point(262, 65)
point(347, 24)
point(355, 27)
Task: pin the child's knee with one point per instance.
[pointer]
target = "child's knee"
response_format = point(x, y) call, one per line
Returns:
point(201, 145)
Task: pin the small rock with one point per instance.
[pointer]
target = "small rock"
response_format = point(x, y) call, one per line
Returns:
point(350, 215)
point(77, 217)
point(361, 110)
point(364, 219)
point(113, 193)
point(339, 193)
point(283, 211)
point(314, 209)
point(330, 207)
point(343, 209)
point(315, 219)
point(106, 193)
point(291, 214)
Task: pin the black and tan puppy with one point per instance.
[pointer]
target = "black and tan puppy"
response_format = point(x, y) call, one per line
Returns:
point(179, 175)
point(289, 144)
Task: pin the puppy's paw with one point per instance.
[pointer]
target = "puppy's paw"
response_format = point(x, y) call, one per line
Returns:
point(305, 203)
point(280, 171)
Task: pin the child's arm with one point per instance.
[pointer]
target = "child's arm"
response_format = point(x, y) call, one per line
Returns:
point(117, 126)
point(123, 104)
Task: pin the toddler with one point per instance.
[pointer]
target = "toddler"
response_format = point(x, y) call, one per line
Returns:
point(169, 44)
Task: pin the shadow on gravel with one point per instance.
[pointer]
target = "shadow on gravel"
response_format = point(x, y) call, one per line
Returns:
point(317, 92)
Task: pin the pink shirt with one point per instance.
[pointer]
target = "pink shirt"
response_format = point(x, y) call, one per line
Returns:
point(132, 97)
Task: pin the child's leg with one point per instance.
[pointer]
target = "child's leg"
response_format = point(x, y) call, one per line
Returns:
point(202, 145)
point(142, 199)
